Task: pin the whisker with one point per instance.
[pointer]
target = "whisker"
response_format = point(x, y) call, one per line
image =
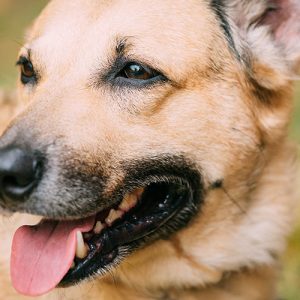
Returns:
point(22, 45)
point(218, 184)
point(234, 201)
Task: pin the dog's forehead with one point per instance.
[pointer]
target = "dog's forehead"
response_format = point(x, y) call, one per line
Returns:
point(86, 30)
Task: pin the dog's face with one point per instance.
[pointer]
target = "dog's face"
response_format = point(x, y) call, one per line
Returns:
point(149, 108)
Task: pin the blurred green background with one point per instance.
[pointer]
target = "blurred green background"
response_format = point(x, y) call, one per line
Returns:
point(16, 15)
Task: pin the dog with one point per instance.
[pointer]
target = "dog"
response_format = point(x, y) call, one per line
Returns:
point(153, 145)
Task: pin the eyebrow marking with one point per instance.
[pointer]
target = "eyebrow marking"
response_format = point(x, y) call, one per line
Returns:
point(123, 44)
point(26, 55)
point(114, 62)
point(28, 51)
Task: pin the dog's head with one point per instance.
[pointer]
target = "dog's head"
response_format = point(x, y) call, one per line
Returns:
point(144, 118)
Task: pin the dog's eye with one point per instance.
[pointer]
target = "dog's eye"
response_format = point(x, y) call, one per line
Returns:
point(138, 72)
point(28, 74)
point(131, 74)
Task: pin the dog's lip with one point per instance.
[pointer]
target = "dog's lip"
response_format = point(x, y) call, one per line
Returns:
point(127, 232)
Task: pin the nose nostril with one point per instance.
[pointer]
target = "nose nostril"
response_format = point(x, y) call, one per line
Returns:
point(12, 181)
point(9, 181)
point(19, 173)
point(12, 189)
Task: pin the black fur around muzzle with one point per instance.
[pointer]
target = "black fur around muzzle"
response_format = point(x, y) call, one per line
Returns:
point(55, 181)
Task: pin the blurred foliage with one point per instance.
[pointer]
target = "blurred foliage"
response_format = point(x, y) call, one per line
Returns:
point(295, 128)
point(290, 283)
point(15, 15)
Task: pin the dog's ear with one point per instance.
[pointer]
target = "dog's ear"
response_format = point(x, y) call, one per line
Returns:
point(267, 33)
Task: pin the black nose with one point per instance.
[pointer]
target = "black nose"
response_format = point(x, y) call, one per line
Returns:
point(19, 173)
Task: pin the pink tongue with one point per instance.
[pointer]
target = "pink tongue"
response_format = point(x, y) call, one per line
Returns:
point(43, 254)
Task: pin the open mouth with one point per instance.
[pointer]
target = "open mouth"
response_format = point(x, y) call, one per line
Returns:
point(76, 250)
point(139, 215)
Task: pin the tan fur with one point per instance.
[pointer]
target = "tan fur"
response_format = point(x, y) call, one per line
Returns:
point(9, 108)
point(231, 250)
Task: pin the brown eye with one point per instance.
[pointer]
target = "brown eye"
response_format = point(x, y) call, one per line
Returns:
point(138, 72)
point(27, 71)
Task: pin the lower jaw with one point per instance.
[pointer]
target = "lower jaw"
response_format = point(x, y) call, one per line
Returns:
point(151, 220)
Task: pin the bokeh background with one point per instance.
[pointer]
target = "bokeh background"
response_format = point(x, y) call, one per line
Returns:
point(16, 15)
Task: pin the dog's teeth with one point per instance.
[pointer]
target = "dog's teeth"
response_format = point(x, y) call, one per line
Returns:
point(81, 248)
point(98, 227)
point(113, 215)
point(129, 202)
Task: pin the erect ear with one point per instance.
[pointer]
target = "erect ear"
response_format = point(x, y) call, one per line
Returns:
point(268, 33)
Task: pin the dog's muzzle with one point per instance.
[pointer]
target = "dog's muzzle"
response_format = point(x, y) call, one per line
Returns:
point(89, 225)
